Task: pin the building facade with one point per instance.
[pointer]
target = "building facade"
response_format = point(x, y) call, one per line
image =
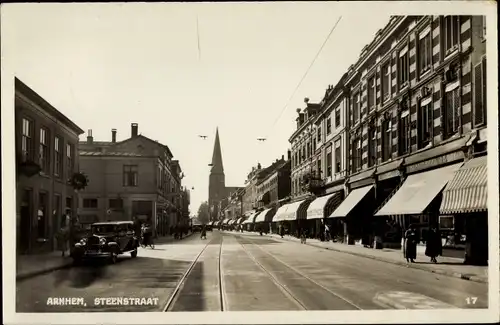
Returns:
point(133, 178)
point(46, 162)
point(417, 103)
point(275, 185)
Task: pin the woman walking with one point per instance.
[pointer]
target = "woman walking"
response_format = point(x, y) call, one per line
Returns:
point(410, 247)
point(434, 246)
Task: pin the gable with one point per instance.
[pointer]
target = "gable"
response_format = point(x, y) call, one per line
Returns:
point(141, 145)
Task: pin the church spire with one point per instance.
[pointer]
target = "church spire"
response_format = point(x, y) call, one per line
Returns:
point(217, 166)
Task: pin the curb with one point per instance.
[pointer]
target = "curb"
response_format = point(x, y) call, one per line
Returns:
point(458, 275)
point(33, 274)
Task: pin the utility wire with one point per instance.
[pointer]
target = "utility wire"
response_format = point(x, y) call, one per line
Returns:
point(198, 38)
point(305, 75)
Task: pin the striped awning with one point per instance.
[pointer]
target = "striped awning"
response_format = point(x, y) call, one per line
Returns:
point(418, 191)
point(251, 217)
point(322, 206)
point(261, 217)
point(294, 211)
point(468, 190)
point(351, 201)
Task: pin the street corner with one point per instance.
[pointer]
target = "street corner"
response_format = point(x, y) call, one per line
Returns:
point(409, 300)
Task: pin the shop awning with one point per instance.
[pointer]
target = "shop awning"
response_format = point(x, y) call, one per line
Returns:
point(295, 210)
point(261, 217)
point(322, 205)
point(251, 218)
point(280, 213)
point(468, 190)
point(418, 191)
point(351, 201)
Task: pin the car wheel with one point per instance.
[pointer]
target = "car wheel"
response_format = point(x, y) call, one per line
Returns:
point(134, 253)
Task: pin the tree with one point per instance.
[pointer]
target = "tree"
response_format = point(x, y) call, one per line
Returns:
point(203, 213)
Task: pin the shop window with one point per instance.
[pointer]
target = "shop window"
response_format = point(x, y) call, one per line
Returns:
point(27, 140)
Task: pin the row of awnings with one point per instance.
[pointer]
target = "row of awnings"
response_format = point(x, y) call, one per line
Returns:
point(464, 188)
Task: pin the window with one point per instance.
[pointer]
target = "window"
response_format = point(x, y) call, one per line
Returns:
point(318, 133)
point(403, 67)
point(44, 150)
point(451, 33)
point(386, 77)
point(328, 125)
point(355, 107)
point(58, 156)
point(116, 204)
point(372, 146)
point(452, 111)
point(338, 157)
point(337, 117)
point(480, 98)
point(404, 133)
point(314, 144)
point(358, 154)
point(69, 158)
point(329, 162)
point(371, 93)
point(484, 27)
point(309, 151)
point(319, 168)
point(130, 175)
point(27, 140)
point(159, 178)
point(425, 51)
point(425, 123)
point(90, 203)
point(386, 139)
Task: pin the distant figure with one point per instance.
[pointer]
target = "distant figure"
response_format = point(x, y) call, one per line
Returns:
point(203, 232)
point(303, 236)
point(434, 246)
point(410, 247)
point(282, 231)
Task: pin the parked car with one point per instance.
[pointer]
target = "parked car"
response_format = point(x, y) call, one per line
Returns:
point(108, 240)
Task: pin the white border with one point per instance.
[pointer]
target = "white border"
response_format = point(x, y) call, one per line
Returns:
point(348, 317)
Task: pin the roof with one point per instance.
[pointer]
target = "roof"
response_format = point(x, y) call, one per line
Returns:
point(112, 223)
point(37, 99)
point(109, 154)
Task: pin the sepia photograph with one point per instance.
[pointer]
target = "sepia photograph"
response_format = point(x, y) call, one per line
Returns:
point(269, 158)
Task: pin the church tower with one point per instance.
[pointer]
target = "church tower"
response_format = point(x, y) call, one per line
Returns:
point(217, 180)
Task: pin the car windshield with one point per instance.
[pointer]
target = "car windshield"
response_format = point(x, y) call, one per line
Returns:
point(101, 229)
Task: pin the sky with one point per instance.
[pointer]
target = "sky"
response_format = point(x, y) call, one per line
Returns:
point(109, 65)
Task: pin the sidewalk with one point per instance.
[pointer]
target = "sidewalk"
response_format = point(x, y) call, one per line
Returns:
point(28, 266)
point(446, 265)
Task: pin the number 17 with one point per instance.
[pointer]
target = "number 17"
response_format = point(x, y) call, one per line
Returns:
point(471, 300)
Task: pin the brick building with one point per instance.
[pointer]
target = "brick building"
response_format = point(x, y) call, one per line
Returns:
point(136, 177)
point(46, 159)
point(417, 112)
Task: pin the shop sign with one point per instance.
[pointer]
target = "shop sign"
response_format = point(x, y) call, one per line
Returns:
point(434, 162)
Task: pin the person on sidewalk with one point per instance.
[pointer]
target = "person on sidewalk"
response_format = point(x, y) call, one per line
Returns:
point(434, 246)
point(410, 245)
point(282, 230)
point(303, 235)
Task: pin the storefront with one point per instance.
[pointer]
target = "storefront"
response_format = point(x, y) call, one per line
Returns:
point(294, 217)
point(465, 202)
point(319, 210)
point(264, 220)
point(354, 210)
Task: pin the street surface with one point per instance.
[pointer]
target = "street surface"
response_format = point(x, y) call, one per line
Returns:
point(232, 271)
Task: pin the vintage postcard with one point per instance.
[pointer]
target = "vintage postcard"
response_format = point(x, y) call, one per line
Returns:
point(271, 162)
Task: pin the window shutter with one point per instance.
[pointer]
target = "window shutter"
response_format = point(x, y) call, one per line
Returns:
point(478, 95)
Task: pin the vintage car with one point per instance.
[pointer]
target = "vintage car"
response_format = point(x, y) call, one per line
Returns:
point(107, 239)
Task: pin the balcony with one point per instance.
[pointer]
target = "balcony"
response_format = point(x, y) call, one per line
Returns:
point(312, 183)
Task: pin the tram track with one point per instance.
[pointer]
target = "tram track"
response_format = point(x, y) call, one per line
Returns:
point(179, 290)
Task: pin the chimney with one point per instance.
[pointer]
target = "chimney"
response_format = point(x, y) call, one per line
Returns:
point(289, 154)
point(113, 135)
point(282, 157)
point(135, 129)
point(90, 139)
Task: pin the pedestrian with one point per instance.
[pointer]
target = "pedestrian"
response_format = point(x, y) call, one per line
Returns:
point(282, 230)
point(327, 232)
point(434, 246)
point(303, 235)
point(410, 246)
point(203, 232)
